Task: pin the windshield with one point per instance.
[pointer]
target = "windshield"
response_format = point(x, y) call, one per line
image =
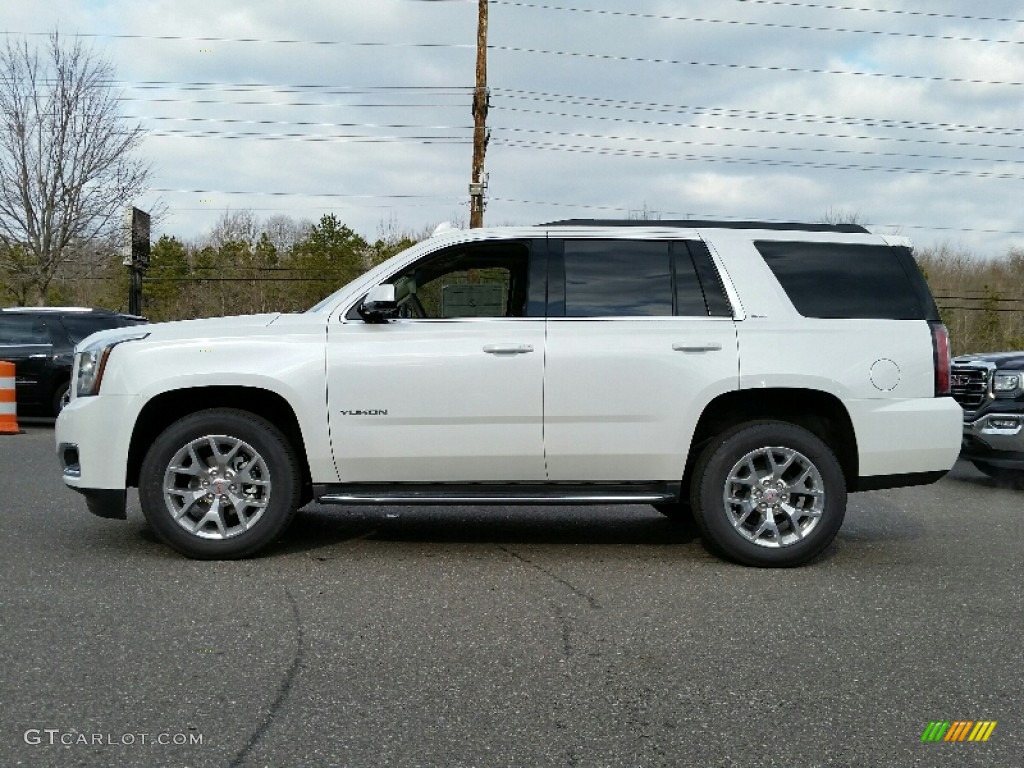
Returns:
point(330, 300)
point(321, 304)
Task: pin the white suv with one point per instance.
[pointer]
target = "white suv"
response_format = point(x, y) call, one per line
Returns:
point(749, 374)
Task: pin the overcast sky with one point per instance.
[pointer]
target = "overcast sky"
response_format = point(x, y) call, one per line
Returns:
point(908, 113)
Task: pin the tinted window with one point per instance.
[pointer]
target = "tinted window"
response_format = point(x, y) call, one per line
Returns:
point(689, 294)
point(714, 294)
point(617, 278)
point(831, 280)
point(475, 280)
point(22, 329)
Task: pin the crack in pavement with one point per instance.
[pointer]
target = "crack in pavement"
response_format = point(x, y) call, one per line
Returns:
point(591, 600)
point(564, 622)
point(283, 690)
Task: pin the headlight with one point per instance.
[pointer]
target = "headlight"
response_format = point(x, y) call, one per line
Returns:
point(91, 359)
point(1006, 383)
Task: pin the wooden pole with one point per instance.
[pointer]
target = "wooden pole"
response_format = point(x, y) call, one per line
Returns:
point(480, 102)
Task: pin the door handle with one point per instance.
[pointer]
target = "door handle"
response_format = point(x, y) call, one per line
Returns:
point(508, 349)
point(705, 347)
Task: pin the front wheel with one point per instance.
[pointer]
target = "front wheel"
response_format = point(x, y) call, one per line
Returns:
point(219, 484)
point(769, 494)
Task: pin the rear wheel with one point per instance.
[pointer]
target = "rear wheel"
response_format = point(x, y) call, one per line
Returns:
point(768, 494)
point(220, 483)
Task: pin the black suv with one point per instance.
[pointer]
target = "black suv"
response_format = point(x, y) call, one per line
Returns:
point(40, 341)
point(990, 388)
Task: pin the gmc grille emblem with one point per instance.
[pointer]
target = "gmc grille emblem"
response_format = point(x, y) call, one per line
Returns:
point(960, 380)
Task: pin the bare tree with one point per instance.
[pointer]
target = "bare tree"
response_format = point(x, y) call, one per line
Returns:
point(285, 232)
point(843, 216)
point(234, 226)
point(67, 163)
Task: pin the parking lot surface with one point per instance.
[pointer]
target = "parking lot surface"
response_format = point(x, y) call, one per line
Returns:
point(433, 636)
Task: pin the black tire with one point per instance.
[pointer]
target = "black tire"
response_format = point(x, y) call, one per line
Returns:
point(794, 540)
point(1012, 477)
point(246, 469)
point(675, 511)
point(59, 395)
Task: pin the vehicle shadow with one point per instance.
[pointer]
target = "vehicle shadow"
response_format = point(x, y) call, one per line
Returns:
point(965, 472)
point(317, 526)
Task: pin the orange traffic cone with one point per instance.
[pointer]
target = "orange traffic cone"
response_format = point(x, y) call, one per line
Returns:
point(8, 406)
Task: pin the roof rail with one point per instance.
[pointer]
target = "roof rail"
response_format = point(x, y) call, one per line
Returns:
point(709, 224)
point(95, 310)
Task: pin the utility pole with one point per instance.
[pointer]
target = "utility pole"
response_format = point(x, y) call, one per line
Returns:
point(481, 97)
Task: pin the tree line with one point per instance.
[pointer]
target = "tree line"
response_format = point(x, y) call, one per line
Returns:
point(981, 300)
point(280, 264)
point(242, 266)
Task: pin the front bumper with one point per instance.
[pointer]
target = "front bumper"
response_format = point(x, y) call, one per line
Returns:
point(995, 438)
point(93, 436)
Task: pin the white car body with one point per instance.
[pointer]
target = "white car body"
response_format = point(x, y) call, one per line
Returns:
point(531, 400)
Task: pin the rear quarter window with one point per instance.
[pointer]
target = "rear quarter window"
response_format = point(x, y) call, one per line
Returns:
point(840, 280)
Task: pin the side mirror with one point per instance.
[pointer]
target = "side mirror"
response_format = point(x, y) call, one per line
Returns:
point(380, 305)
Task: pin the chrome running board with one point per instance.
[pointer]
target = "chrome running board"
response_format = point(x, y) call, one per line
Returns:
point(497, 493)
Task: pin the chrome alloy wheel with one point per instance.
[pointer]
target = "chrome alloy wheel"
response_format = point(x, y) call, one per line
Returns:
point(774, 497)
point(216, 487)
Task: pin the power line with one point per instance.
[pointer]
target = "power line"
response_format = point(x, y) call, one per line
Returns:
point(545, 96)
point(718, 159)
point(755, 67)
point(761, 147)
point(271, 193)
point(757, 129)
point(590, 11)
point(333, 138)
point(978, 309)
point(634, 106)
point(893, 11)
point(721, 217)
point(308, 123)
point(207, 39)
point(605, 150)
point(642, 106)
point(221, 102)
point(630, 59)
point(198, 85)
point(761, 24)
point(235, 121)
point(982, 299)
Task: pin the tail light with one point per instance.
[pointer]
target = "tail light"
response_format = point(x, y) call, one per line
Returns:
point(943, 359)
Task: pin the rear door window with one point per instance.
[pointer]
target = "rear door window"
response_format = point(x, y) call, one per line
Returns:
point(638, 278)
point(614, 278)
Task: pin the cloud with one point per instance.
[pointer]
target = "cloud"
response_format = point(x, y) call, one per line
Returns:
point(744, 124)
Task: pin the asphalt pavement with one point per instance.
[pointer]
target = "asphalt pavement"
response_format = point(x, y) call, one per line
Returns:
point(433, 636)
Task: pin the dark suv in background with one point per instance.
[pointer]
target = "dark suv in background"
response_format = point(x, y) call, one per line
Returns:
point(990, 388)
point(40, 341)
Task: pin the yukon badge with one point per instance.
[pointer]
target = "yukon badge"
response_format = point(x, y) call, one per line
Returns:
point(371, 412)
